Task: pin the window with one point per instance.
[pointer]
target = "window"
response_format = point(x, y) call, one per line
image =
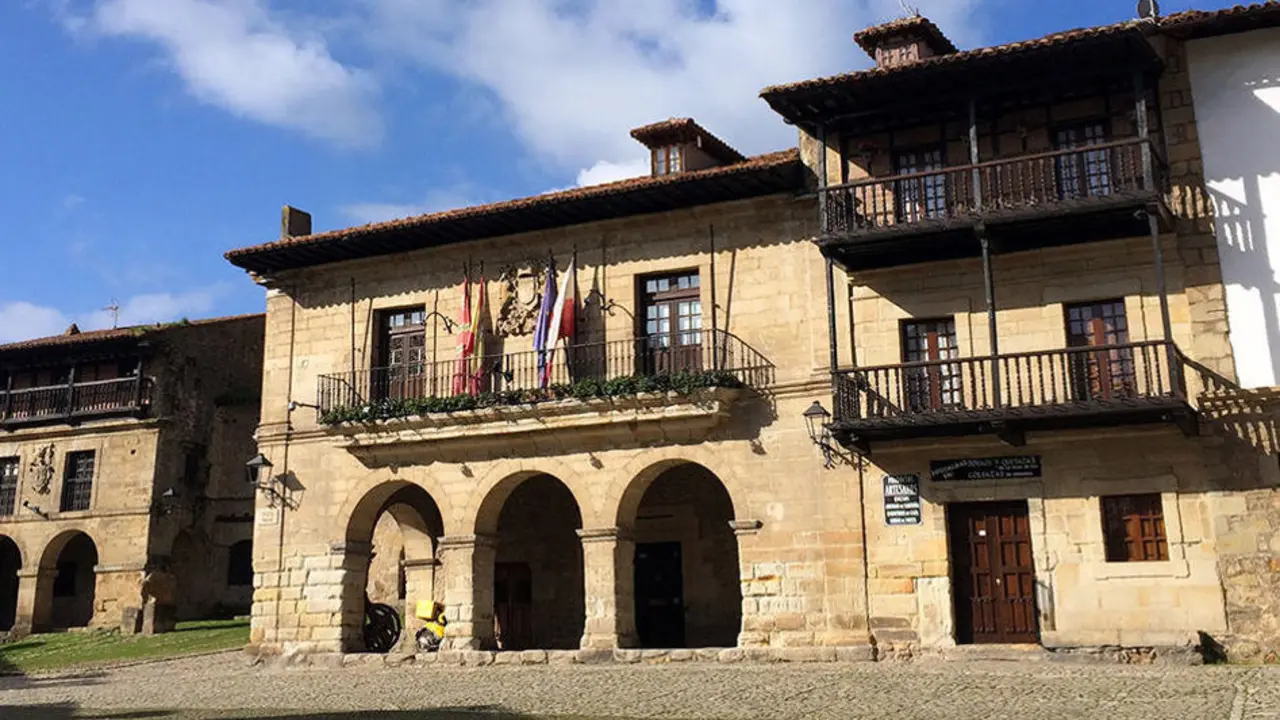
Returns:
point(1106, 374)
point(1134, 528)
point(667, 160)
point(1083, 174)
point(935, 386)
point(402, 353)
point(672, 307)
point(240, 564)
point(920, 198)
point(77, 481)
point(8, 485)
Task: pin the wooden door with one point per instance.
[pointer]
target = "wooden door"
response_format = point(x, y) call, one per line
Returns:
point(1107, 374)
point(513, 606)
point(993, 573)
point(659, 589)
point(935, 386)
point(923, 197)
point(1086, 173)
point(672, 340)
point(402, 355)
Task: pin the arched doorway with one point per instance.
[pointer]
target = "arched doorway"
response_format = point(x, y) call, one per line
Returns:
point(10, 564)
point(72, 584)
point(391, 558)
point(538, 592)
point(688, 590)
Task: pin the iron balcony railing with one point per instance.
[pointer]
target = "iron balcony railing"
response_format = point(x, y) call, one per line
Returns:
point(1052, 382)
point(696, 351)
point(75, 401)
point(1045, 182)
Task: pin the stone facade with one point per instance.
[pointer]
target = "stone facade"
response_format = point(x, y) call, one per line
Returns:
point(86, 567)
point(563, 502)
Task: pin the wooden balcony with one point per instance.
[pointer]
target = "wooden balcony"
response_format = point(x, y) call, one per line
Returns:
point(1008, 395)
point(1063, 197)
point(75, 402)
point(700, 358)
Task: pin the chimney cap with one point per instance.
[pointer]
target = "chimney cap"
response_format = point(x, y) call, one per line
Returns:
point(917, 26)
point(73, 329)
point(673, 131)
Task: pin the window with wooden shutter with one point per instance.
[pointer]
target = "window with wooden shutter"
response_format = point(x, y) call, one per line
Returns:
point(77, 481)
point(1134, 528)
point(8, 485)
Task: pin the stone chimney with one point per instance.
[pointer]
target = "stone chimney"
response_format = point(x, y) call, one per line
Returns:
point(904, 41)
point(681, 145)
point(294, 223)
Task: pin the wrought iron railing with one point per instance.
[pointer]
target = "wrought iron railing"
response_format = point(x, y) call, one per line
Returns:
point(78, 400)
point(680, 353)
point(1030, 182)
point(1046, 382)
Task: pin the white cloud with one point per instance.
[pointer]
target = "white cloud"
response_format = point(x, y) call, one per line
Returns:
point(435, 201)
point(605, 171)
point(572, 78)
point(72, 201)
point(20, 320)
point(236, 55)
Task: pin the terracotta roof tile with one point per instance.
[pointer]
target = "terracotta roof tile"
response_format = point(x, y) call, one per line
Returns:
point(561, 198)
point(91, 337)
point(869, 38)
point(677, 130)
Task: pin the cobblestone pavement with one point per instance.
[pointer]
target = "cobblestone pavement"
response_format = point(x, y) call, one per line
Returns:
point(223, 686)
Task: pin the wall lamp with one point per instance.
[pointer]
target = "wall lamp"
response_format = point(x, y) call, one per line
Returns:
point(816, 420)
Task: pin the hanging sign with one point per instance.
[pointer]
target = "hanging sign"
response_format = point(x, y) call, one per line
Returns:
point(902, 499)
point(997, 468)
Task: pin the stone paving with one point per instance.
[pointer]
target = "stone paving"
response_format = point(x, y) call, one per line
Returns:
point(225, 686)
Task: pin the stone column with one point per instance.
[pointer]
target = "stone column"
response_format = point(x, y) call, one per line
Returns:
point(608, 556)
point(349, 563)
point(468, 594)
point(35, 600)
point(753, 614)
point(419, 585)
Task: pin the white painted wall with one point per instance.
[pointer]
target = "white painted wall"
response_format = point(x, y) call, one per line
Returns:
point(1236, 83)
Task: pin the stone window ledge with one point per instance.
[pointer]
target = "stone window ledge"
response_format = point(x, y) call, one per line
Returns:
point(1177, 569)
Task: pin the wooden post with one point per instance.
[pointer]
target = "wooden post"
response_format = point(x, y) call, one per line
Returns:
point(137, 386)
point(8, 397)
point(989, 283)
point(715, 336)
point(1144, 130)
point(831, 318)
point(1153, 218)
point(822, 177)
point(71, 390)
point(973, 155)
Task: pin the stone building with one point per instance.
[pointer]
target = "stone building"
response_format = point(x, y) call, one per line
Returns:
point(121, 455)
point(999, 268)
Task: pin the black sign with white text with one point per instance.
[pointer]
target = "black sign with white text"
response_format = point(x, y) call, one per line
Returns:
point(998, 468)
point(902, 499)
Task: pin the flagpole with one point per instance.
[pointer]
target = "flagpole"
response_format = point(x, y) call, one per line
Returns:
point(715, 336)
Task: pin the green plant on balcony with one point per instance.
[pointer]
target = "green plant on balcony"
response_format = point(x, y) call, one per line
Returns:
point(680, 383)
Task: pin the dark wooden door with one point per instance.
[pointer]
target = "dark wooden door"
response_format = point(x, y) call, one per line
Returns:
point(1086, 173)
point(672, 340)
point(993, 573)
point(659, 589)
point(935, 385)
point(1108, 373)
point(513, 606)
point(402, 349)
point(924, 195)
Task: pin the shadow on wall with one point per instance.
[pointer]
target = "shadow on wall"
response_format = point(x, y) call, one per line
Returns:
point(1239, 125)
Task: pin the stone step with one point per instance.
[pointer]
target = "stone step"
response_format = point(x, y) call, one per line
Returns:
point(995, 653)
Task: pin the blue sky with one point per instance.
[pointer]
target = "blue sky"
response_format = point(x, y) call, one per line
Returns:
point(141, 139)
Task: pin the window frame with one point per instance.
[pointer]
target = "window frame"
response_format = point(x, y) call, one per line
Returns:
point(1120, 514)
point(9, 483)
point(662, 160)
point(77, 491)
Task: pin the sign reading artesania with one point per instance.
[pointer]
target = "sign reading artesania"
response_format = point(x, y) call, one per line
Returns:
point(997, 468)
point(902, 499)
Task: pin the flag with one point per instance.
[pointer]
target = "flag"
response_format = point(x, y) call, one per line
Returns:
point(564, 312)
point(569, 313)
point(541, 330)
point(465, 341)
point(475, 366)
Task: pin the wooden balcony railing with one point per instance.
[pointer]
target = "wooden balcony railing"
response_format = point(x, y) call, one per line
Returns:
point(697, 351)
point(1036, 385)
point(75, 401)
point(1027, 185)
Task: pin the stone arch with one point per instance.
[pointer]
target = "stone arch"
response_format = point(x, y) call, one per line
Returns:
point(67, 586)
point(532, 585)
point(679, 515)
point(497, 485)
point(10, 564)
point(389, 557)
point(636, 477)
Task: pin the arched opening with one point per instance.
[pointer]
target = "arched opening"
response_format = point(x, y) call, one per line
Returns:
point(688, 590)
point(72, 585)
point(391, 565)
point(10, 564)
point(538, 594)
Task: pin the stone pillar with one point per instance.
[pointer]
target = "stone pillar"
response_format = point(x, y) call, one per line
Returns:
point(468, 594)
point(419, 584)
point(347, 576)
point(608, 556)
point(35, 600)
point(754, 615)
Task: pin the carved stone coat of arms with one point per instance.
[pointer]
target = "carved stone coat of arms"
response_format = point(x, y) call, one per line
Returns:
point(520, 300)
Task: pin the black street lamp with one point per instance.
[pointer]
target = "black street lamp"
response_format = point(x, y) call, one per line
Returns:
point(815, 420)
point(253, 472)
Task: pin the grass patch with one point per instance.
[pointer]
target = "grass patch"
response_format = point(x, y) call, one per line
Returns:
point(61, 650)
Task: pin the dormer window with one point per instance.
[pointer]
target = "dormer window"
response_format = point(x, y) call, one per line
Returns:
point(667, 160)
